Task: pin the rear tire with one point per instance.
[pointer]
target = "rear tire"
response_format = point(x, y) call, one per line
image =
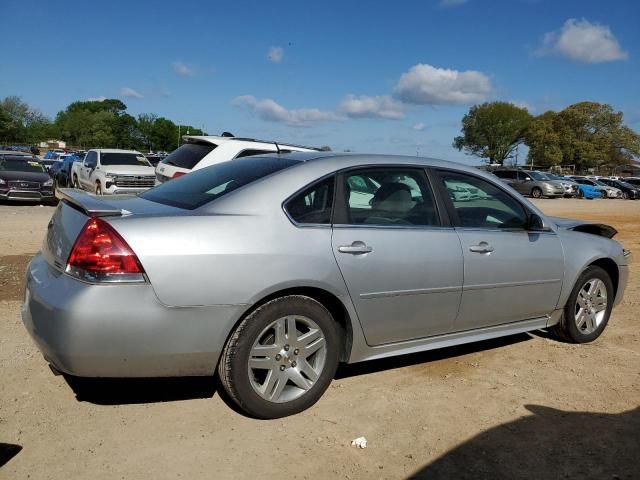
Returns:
point(281, 358)
point(588, 308)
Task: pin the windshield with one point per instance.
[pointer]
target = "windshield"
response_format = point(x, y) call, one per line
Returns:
point(600, 183)
point(19, 165)
point(556, 177)
point(539, 176)
point(123, 159)
point(202, 186)
point(189, 154)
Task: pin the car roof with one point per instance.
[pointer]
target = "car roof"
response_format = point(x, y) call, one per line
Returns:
point(115, 150)
point(215, 139)
point(363, 159)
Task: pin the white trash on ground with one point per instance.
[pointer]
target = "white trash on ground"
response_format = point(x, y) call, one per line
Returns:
point(359, 442)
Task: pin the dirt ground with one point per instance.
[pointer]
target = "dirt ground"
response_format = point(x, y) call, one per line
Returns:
point(521, 407)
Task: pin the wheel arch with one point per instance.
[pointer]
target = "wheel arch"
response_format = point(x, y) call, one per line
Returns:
point(611, 267)
point(330, 301)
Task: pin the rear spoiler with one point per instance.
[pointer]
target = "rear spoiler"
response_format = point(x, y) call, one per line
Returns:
point(90, 205)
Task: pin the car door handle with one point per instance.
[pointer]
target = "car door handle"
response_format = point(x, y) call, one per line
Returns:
point(355, 248)
point(482, 247)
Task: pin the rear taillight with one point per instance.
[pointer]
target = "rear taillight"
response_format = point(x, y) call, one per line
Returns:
point(178, 174)
point(100, 254)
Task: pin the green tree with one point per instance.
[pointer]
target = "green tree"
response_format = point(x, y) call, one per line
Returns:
point(544, 140)
point(493, 130)
point(585, 134)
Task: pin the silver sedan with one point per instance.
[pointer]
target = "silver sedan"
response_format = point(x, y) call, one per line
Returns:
point(274, 269)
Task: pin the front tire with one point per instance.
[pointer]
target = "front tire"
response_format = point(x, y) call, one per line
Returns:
point(536, 192)
point(281, 358)
point(76, 184)
point(588, 308)
point(98, 188)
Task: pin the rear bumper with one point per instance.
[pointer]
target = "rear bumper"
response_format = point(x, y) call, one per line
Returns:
point(120, 330)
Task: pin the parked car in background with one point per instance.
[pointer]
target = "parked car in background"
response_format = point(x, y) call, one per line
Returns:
point(588, 192)
point(204, 151)
point(111, 171)
point(533, 183)
point(53, 153)
point(23, 179)
point(632, 180)
point(628, 190)
point(61, 174)
point(570, 187)
point(220, 270)
point(607, 191)
point(13, 153)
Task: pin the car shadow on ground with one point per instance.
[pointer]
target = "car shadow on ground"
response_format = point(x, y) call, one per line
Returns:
point(548, 444)
point(122, 391)
point(8, 451)
point(391, 363)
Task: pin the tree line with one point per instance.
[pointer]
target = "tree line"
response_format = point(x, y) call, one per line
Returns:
point(86, 124)
point(585, 135)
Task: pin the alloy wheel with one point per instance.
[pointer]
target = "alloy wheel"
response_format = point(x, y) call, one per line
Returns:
point(591, 306)
point(287, 358)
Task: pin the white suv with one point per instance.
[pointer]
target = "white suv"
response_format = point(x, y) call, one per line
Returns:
point(200, 152)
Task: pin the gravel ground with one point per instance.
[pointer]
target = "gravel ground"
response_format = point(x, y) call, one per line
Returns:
point(521, 407)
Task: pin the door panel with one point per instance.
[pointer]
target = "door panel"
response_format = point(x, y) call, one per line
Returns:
point(408, 286)
point(510, 273)
point(519, 279)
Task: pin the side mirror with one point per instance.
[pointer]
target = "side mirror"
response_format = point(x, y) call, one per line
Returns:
point(527, 179)
point(536, 223)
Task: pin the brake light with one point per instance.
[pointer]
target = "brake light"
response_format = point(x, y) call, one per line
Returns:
point(100, 254)
point(178, 174)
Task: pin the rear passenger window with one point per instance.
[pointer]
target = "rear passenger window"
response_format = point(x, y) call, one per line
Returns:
point(389, 196)
point(313, 205)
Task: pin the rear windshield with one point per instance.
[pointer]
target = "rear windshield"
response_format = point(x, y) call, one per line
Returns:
point(189, 154)
point(123, 159)
point(19, 165)
point(202, 186)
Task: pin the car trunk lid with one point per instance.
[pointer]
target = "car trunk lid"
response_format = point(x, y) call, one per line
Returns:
point(76, 207)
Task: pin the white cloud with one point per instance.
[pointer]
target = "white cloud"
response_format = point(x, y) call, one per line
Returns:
point(101, 98)
point(523, 104)
point(583, 41)
point(275, 54)
point(451, 3)
point(270, 111)
point(130, 92)
point(427, 85)
point(183, 69)
point(418, 127)
point(370, 107)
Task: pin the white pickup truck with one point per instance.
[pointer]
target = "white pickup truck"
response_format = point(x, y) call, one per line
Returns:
point(110, 171)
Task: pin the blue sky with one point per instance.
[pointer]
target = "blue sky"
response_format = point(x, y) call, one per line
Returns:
point(374, 76)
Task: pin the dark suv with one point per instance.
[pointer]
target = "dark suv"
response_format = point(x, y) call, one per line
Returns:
point(533, 183)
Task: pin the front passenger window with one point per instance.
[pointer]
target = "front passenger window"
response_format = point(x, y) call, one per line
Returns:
point(480, 204)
